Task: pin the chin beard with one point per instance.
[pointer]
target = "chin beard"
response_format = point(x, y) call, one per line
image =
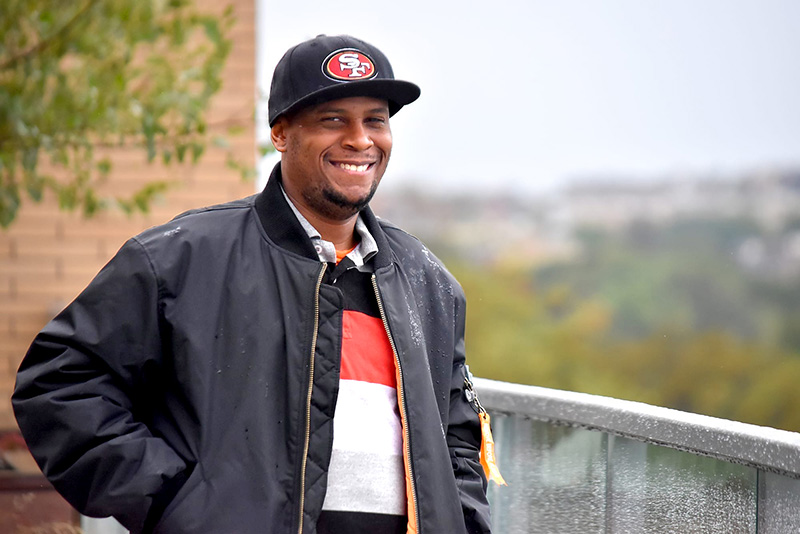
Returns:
point(336, 206)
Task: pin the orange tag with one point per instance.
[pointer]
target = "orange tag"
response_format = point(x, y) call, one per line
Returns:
point(488, 458)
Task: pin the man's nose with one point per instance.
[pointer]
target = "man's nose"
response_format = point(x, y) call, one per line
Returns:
point(357, 137)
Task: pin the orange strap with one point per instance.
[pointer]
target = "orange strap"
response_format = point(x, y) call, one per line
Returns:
point(488, 458)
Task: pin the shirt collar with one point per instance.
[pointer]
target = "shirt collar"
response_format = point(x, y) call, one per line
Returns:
point(326, 250)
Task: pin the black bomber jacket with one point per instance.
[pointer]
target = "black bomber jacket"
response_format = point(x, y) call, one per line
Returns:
point(190, 388)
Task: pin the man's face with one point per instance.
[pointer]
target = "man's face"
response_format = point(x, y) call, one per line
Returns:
point(334, 154)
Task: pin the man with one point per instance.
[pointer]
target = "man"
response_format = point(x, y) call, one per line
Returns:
point(285, 363)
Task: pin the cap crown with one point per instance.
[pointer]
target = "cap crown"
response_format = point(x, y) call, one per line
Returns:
point(330, 67)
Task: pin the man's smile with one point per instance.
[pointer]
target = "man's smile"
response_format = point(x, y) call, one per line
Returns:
point(353, 167)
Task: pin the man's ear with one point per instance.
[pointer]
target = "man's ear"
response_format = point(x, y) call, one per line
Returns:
point(278, 135)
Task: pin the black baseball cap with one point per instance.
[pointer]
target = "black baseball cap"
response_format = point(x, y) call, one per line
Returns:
point(330, 67)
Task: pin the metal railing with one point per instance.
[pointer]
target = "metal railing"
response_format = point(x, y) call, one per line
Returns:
point(579, 463)
point(583, 463)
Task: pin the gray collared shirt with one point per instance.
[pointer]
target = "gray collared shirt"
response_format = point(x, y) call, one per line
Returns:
point(326, 250)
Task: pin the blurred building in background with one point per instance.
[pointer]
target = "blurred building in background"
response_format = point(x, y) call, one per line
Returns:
point(528, 230)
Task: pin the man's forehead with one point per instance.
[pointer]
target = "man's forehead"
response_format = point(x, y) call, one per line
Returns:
point(353, 103)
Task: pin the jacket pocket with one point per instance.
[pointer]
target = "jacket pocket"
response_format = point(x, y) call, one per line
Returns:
point(184, 507)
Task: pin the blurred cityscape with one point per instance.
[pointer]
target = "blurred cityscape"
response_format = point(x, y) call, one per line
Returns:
point(683, 292)
point(526, 231)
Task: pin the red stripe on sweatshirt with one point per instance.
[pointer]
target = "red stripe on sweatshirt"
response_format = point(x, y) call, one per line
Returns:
point(366, 353)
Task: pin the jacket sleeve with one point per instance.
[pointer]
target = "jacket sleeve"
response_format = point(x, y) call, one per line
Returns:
point(82, 394)
point(463, 441)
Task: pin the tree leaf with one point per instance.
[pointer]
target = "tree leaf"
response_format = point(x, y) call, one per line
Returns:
point(136, 73)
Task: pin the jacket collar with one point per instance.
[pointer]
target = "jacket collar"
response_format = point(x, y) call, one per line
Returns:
point(285, 230)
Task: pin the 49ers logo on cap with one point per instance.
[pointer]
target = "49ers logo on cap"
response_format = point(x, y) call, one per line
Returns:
point(348, 65)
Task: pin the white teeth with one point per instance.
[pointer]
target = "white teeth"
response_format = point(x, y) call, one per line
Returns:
point(357, 168)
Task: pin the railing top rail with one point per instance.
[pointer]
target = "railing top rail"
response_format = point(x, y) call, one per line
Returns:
point(761, 447)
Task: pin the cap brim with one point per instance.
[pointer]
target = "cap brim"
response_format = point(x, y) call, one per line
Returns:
point(397, 92)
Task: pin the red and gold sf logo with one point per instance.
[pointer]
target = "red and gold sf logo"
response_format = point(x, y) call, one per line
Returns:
point(349, 65)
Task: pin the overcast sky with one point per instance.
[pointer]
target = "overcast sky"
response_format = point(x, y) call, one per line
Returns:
point(529, 95)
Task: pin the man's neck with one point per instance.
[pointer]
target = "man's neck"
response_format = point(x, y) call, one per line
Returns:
point(341, 233)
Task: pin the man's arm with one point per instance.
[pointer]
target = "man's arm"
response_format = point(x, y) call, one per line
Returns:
point(81, 386)
point(463, 440)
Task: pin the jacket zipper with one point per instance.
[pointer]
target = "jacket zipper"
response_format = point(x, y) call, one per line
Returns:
point(308, 397)
point(401, 392)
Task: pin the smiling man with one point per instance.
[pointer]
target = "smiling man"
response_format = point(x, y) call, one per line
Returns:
point(286, 363)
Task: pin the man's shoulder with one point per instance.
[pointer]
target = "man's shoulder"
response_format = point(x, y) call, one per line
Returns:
point(410, 250)
point(208, 218)
point(199, 230)
point(217, 210)
point(400, 239)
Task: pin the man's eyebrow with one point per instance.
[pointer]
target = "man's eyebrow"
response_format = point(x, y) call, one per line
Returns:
point(324, 111)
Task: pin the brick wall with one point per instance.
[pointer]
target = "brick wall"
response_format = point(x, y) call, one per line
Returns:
point(47, 256)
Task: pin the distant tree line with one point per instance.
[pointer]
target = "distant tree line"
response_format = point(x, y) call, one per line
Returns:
point(660, 314)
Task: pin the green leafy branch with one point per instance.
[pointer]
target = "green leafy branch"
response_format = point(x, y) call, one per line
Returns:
point(80, 80)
